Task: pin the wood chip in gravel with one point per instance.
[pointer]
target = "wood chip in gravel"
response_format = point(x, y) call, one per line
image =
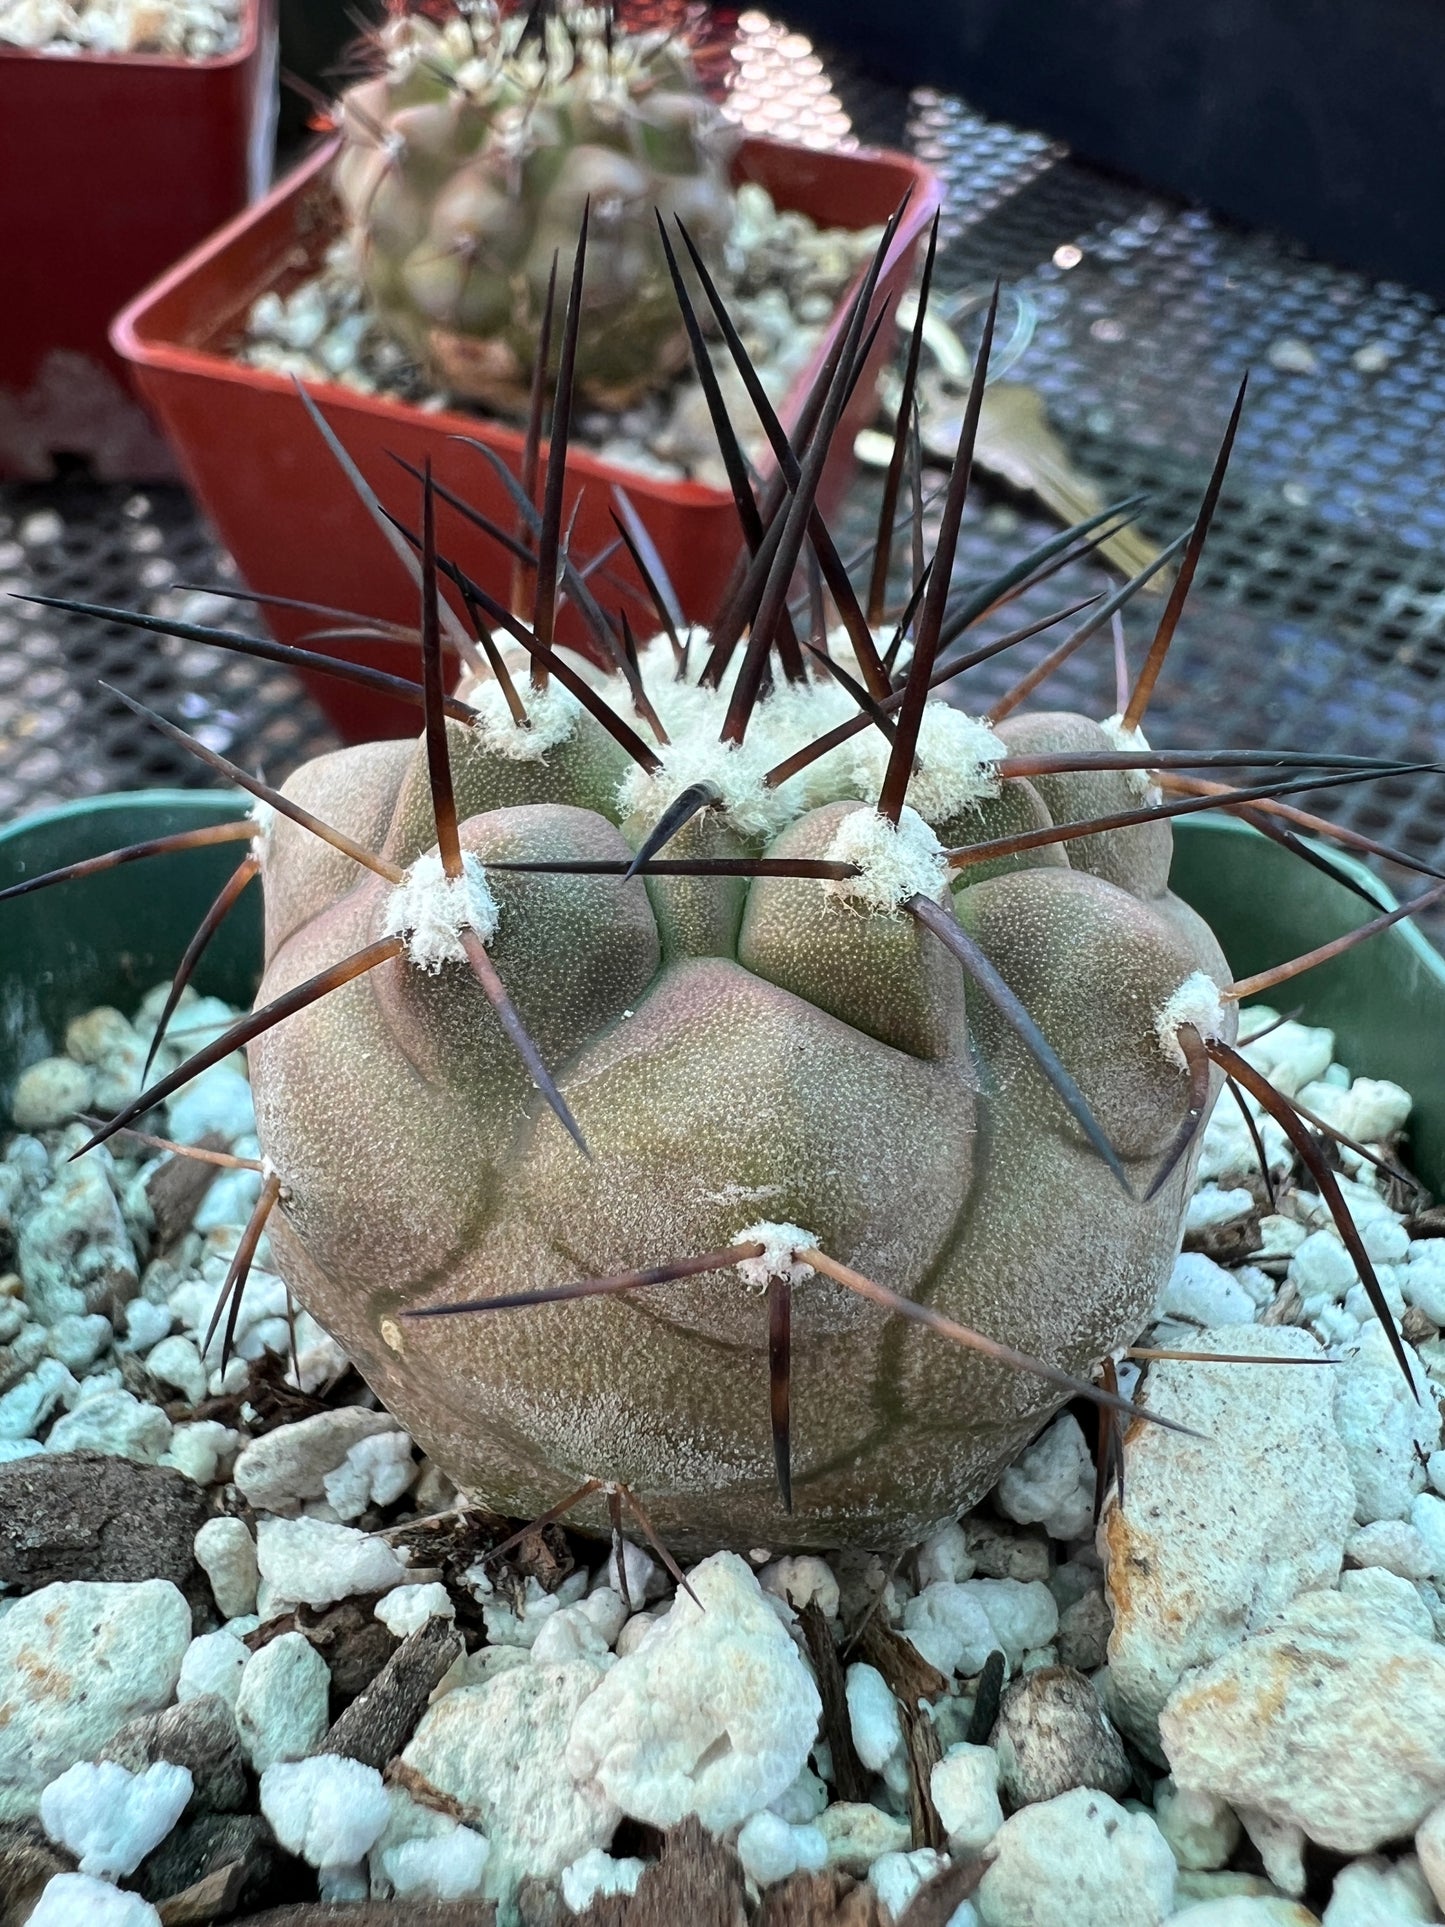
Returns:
point(382, 1718)
point(822, 1900)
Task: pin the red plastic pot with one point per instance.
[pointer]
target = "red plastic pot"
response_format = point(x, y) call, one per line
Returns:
point(291, 519)
point(110, 167)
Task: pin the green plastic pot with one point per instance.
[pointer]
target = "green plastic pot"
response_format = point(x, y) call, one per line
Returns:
point(106, 939)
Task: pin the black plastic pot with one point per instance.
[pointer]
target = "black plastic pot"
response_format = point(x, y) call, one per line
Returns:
point(106, 939)
point(1314, 117)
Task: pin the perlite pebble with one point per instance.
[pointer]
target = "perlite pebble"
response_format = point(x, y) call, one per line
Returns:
point(111, 1819)
point(948, 1626)
point(226, 1553)
point(327, 1810)
point(1078, 1861)
point(75, 1900)
point(1202, 1831)
point(727, 1706)
point(897, 1877)
point(873, 1716)
point(1386, 1431)
point(1394, 1545)
point(964, 1786)
point(50, 1092)
point(282, 1704)
point(1204, 1293)
point(312, 1562)
point(1379, 1893)
point(406, 1609)
point(114, 1422)
point(1051, 1483)
point(770, 1849)
point(213, 1663)
point(452, 1866)
point(596, 1873)
point(177, 1363)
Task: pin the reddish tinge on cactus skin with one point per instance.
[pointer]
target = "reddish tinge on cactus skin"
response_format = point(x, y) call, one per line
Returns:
point(469, 158)
point(733, 1091)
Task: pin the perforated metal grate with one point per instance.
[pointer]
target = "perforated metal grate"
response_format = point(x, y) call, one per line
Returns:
point(1319, 618)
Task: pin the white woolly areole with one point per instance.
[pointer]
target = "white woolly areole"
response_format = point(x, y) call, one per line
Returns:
point(958, 758)
point(551, 718)
point(734, 771)
point(779, 1242)
point(1197, 1001)
point(893, 864)
point(1139, 780)
point(431, 909)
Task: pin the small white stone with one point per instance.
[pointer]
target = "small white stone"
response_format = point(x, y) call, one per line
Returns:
point(803, 1801)
point(1393, 1544)
point(950, 1628)
point(873, 1715)
point(77, 1341)
point(213, 1663)
point(1051, 1483)
point(730, 1708)
point(406, 1609)
point(802, 1579)
point(1280, 1845)
point(375, 1472)
point(218, 1102)
point(146, 1324)
point(176, 1362)
point(50, 1092)
point(1080, 1860)
point(1321, 1264)
point(1210, 1207)
point(964, 1785)
point(1202, 1831)
point(1204, 1293)
point(116, 1423)
point(1377, 1109)
point(1022, 1613)
point(109, 1818)
point(770, 1849)
point(327, 1810)
point(1427, 1516)
point(1387, 1433)
point(204, 1450)
point(596, 1873)
point(313, 1562)
point(897, 1877)
point(1379, 1893)
point(226, 1553)
point(451, 1865)
point(75, 1900)
point(282, 1706)
point(1391, 1597)
point(945, 1555)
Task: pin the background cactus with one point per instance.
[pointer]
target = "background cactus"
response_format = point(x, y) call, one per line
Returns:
point(647, 1054)
point(469, 159)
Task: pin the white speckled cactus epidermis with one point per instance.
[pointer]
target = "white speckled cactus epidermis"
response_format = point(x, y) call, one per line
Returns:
point(735, 1050)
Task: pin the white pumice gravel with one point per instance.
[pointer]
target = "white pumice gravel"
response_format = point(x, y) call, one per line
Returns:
point(192, 29)
point(110, 1819)
point(1307, 1533)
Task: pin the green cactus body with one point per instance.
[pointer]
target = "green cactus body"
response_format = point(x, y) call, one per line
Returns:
point(469, 161)
point(737, 1051)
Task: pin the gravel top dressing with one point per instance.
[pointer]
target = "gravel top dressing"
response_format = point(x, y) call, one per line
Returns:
point(253, 1653)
